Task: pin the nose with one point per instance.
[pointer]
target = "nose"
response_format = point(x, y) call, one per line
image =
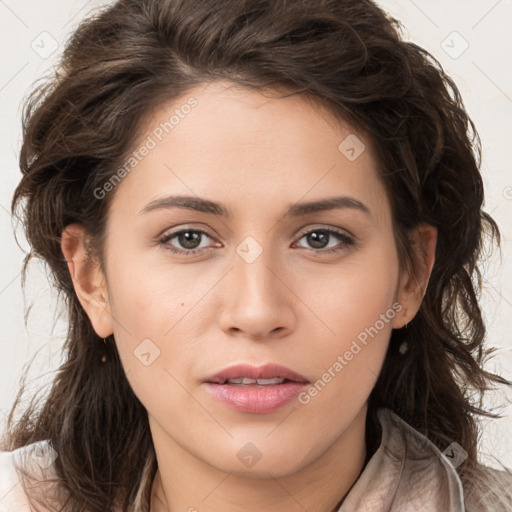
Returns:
point(256, 299)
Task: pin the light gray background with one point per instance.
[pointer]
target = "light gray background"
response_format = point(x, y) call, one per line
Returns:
point(32, 34)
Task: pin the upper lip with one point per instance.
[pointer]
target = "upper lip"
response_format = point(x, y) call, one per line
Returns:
point(268, 371)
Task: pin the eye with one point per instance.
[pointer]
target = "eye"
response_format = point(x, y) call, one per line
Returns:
point(320, 238)
point(189, 239)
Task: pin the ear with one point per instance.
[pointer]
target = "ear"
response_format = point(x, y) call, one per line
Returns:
point(88, 279)
point(413, 282)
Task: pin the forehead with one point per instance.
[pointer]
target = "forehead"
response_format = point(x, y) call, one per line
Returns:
point(223, 140)
point(217, 109)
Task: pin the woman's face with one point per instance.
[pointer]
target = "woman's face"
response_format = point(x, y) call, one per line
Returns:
point(258, 279)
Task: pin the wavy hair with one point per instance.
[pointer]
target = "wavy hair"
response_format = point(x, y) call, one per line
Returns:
point(80, 124)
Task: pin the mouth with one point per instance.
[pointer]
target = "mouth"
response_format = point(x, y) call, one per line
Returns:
point(252, 389)
point(247, 375)
point(246, 381)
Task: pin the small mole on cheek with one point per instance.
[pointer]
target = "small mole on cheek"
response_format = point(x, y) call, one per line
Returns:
point(182, 303)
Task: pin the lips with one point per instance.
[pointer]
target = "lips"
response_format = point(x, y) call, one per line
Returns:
point(249, 374)
point(256, 390)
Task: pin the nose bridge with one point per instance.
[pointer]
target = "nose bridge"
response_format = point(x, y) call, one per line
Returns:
point(252, 264)
point(256, 301)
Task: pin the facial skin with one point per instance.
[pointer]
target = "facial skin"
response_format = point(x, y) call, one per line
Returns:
point(296, 304)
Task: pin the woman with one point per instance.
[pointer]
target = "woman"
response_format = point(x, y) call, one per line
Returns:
point(266, 220)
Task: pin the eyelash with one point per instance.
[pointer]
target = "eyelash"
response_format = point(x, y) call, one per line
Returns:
point(347, 241)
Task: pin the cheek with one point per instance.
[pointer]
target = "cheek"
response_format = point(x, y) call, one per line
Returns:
point(148, 317)
point(156, 327)
point(351, 297)
point(146, 297)
point(347, 364)
point(358, 307)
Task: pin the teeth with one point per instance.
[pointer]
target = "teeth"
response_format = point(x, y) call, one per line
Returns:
point(261, 382)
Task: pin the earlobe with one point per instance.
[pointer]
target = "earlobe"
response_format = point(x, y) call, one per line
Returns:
point(87, 277)
point(413, 286)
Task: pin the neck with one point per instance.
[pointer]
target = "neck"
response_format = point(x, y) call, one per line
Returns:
point(186, 483)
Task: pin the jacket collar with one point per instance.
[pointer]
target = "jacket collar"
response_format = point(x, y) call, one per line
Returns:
point(407, 473)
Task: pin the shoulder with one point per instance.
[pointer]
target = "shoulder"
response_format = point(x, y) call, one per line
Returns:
point(37, 458)
point(488, 490)
point(481, 489)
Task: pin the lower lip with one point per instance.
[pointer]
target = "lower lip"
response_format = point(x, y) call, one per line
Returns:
point(256, 399)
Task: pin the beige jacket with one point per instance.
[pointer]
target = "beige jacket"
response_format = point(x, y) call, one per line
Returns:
point(408, 473)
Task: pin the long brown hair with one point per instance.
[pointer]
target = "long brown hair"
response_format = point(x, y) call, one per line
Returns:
point(79, 127)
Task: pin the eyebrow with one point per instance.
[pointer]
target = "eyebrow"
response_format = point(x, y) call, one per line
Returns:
point(296, 210)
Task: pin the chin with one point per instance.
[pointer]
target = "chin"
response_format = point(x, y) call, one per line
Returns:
point(251, 462)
